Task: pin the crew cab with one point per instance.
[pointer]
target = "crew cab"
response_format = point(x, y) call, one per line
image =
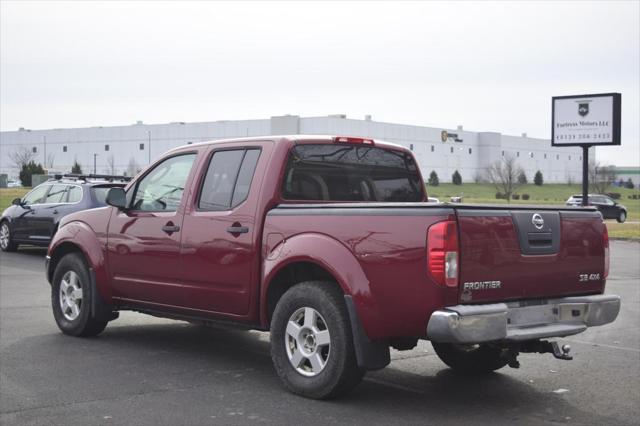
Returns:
point(330, 244)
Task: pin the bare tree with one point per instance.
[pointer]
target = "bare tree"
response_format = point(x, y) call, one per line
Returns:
point(503, 174)
point(111, 165)
point(22, 156)
point(48, 162)
point(133, 168)
point(601, 177)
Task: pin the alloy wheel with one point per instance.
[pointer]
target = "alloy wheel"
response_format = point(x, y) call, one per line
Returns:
point(70, 295)
point(4, 236)
point(307, 341)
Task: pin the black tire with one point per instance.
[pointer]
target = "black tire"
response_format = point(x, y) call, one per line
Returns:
point(622, 216)
point(340, 373)
point(7, 245)
point(83, 325)
point(471, 359)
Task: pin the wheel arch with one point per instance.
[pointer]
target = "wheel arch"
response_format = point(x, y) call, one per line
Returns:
point(314, 256)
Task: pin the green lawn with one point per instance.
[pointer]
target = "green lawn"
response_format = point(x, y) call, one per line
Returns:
point(8, 194)
point(485, 193)
point(546, 194)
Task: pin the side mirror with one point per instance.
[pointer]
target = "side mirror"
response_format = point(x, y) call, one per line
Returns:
point(116, 197)
point(16, 202)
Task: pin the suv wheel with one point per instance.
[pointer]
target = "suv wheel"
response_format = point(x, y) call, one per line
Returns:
point(311, 342)
point(6, 239)
point(622, 216)
point(472, 359)
point(71, 298)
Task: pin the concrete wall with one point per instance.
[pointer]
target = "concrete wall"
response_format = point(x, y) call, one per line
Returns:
point(120, 147)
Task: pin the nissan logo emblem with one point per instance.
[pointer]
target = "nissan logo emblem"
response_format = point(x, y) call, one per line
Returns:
point(537, 221)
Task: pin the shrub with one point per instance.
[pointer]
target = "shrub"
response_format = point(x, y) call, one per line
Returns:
point(515, 197)
point(433, 179)
point(522, 178)
point(456, 179)
point(629, 184)
point(525, 196)
point(29, 169)
point(76, 169)
point(537, 179)
point(499, 195)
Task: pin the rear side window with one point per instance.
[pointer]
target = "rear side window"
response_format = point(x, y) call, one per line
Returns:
point(74, 194)
point(351, 173)
point(228, 179)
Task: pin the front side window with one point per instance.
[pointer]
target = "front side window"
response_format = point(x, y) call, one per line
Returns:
point(228, 179)
point(36, 196)
point(351, 173)
point(162, 188)
point(56, 194)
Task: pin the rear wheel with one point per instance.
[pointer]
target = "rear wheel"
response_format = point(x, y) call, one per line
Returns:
point(622, 216)
point(311, 342)
point(473, 359)
point(6, 238)
point(71, 298)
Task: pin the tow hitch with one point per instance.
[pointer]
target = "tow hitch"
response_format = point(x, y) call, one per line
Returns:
point(537, 346)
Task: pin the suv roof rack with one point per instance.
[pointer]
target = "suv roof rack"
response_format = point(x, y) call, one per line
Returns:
point(88, 177)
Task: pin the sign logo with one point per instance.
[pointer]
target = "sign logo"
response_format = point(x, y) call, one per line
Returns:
point(444, 136)
point(583, 109)
point(537, 221)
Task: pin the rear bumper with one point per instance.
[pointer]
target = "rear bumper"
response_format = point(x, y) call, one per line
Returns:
point(518, 321)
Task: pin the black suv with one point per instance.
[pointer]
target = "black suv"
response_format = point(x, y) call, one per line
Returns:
point(609, 208)
point(33, 220)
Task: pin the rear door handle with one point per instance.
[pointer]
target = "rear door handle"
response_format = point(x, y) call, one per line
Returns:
point(237, 229)
point(170, 228)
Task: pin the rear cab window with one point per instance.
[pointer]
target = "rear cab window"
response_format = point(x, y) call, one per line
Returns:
point(332, 172)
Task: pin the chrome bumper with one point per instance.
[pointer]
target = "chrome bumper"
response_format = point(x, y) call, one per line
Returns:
point(519, 321)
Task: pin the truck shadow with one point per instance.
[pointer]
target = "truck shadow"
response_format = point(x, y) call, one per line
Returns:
point(175, 356)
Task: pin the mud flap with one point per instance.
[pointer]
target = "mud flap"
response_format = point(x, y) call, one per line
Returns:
point(370, 355)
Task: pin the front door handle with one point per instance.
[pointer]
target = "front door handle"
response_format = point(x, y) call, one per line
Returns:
point(170, 228)
point(237, 229)
point(55, 212)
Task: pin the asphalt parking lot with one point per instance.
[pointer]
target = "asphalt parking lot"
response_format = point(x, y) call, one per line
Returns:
point(143, 370)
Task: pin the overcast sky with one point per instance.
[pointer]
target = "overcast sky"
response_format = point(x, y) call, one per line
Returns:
point(485, 65)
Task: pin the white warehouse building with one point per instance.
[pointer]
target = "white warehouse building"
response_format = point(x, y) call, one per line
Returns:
point(118, 149)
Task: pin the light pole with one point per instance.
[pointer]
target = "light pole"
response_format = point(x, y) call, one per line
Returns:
point(94, 163)
point(149, 144)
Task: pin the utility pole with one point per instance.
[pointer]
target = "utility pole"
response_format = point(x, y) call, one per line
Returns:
point(44, 141)
point(149, 144)
point(94, 163)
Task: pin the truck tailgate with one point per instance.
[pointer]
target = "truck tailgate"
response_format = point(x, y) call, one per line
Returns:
point(509, 253)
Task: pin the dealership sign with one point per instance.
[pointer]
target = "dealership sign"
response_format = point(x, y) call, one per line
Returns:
point(585, 120)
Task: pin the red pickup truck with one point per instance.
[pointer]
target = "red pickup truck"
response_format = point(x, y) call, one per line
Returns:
point(330, 243)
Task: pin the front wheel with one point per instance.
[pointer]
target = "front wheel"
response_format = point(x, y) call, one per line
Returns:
point(622, 217)
point(311, 342)
point(6, 238)
point(472, 359)
point(71, 297)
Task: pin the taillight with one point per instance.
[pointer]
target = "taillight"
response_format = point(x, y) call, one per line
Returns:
point(442, 252)
point(350, 139)
point(605, 243)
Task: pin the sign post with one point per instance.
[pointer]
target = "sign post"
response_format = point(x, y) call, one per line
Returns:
point(586, 121)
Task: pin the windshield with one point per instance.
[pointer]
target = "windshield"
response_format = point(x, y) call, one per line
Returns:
point(351, 173)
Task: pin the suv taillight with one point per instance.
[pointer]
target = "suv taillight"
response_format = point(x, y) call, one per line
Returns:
point(442, 253)
point(605, 243)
